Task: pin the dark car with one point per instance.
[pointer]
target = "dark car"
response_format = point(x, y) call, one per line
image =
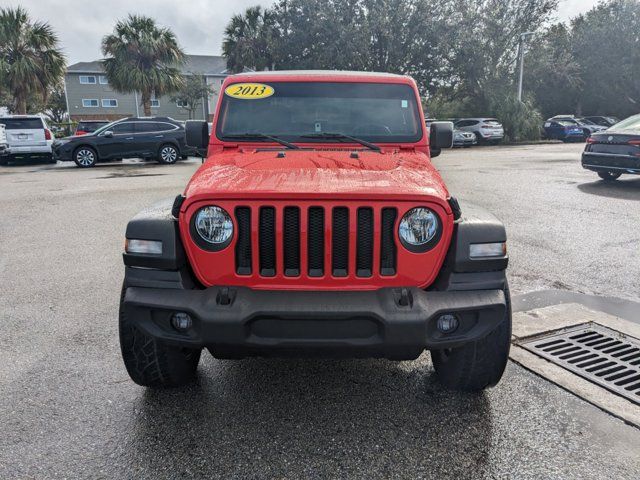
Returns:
point(159, 138)
point(615, 151)
point(89, 126)
point(563, 129)
point(602, 120)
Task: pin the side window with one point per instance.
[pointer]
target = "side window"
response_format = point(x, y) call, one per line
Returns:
point(146, 127)
point(123, 128)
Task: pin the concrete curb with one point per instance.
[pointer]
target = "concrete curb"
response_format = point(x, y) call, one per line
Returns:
point(535, 322)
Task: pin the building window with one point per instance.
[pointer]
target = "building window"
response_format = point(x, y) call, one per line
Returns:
point(89, 102)
point(88, 79)
point(103, 80)
point(109, 103)
point(181, 105)
point(155, 103)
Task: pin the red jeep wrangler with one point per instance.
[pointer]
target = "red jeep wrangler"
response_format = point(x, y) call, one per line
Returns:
point(316, 227)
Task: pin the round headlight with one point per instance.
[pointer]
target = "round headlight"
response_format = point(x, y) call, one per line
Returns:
point(214, 226)
point(419, 229)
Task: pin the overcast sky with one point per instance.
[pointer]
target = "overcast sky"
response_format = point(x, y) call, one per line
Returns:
point(199, 24)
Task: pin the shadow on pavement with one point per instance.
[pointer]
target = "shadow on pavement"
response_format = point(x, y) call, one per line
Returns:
point(290, 418)
point(624, 188)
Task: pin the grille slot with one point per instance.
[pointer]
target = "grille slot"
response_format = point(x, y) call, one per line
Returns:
point(364, 242)
point(597, 353)
point(291, 240)
point(340, 242)
point(388, 244)
point(315, 242)
point(243, 245)
point(267, 241)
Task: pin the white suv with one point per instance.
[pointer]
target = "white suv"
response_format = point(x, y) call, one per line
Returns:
point(486, 130)
point(28, 137)
point(4, 146)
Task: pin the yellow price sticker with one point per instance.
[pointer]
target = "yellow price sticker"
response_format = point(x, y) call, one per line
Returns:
point(249, 91)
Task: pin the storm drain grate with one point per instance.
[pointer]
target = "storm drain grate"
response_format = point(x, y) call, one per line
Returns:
point(599, 354)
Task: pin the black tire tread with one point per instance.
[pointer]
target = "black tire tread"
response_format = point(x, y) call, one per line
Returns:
point(480, 364)
point(151, 363)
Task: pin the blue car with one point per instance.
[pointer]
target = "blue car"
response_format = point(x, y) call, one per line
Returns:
point(565, 130)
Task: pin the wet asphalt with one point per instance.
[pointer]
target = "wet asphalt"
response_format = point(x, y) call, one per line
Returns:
point(68, 409)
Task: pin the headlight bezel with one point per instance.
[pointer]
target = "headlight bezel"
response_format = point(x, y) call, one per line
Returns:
point(200, 240)
point(428, 245)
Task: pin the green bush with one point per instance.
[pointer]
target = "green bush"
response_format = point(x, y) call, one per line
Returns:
point(521, 120)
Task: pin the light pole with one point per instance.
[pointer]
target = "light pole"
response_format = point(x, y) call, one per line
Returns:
point(523, 37)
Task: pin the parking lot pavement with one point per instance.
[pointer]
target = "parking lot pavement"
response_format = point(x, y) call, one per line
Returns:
point(68, 409)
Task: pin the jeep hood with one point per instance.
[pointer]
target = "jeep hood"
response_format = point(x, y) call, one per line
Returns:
point(254, 173)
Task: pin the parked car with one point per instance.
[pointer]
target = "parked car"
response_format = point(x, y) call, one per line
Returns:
point(89, 126)
point(297, 237)
point(464, 139)
point(615, 151)
point(486, 130)
point(588, 127)
point(565, 130)
point(159, 138)
point(28, 137)
point(603, 121)
point(4, 145)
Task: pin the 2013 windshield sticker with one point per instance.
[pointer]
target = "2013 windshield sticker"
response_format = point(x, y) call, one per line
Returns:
point(249, 91)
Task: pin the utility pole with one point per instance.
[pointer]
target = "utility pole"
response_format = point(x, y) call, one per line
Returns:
point(523, 37)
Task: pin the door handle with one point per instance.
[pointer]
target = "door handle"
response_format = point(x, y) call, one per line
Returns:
point(129, 138)
point(159, 136)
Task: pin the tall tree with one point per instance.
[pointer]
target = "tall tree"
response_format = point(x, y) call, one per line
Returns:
point(606, 45)
point(56, 107)
point(194, 92)
point(552, 74)
point(142, 57)
point(31, 61)
point(249, 40)
point(483, 40)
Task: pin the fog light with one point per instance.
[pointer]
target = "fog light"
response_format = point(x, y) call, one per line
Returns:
point(181, 321)
point(447, 323)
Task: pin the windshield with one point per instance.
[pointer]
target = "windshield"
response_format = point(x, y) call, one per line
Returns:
point(631, 123)
point(17, 123)
point(104, 128)
point(90, 126)
point(294, 110)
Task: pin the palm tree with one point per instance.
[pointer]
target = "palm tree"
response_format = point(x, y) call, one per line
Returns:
point(31, 62)
point(248, 40)
point(142, 57)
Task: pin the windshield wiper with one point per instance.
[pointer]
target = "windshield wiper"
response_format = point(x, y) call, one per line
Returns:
point(342, 136)
point(262, 136)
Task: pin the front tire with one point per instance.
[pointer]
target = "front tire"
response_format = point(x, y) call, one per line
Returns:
point(149, 362)
point(85, 157)
point(477, 365)
point(168, 154)
point(609, 176)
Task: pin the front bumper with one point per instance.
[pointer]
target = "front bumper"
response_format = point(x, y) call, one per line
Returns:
point(391, 323)
point(610, 162)
point(62, 152)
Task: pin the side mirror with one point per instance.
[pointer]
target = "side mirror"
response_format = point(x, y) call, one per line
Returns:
point(440, 136)
point(197, 135)
point(108, 134)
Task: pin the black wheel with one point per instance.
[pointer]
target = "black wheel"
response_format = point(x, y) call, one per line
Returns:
point(168, 154)
point(609, 176)
point(85, 157)
point(151, 363)
point(477, 365)
point(4, 161)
